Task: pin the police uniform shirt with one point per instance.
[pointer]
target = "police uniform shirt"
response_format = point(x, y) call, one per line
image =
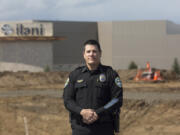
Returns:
point(100, 90)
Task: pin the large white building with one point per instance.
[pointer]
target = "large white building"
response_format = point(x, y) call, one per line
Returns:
point(140, 41)
point(34, 45)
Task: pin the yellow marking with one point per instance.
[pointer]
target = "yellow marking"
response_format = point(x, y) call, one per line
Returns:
point(79, 81)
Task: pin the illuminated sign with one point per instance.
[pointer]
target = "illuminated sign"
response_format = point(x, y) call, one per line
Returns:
point(26, 29)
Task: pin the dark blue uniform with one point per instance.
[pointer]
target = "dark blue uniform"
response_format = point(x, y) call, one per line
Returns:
point(100, 90)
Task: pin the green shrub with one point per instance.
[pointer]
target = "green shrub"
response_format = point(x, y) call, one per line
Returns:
point(175, 66)
point(47, 68)
point(132, 65)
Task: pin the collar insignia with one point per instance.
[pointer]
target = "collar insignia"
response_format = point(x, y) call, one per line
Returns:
point(80, 81)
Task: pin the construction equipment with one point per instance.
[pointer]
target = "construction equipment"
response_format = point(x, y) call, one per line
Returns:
point(148, 74)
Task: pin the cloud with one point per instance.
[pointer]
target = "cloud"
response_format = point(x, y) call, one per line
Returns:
point(89, 10)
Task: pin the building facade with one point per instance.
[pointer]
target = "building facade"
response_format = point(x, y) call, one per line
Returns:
point(157, 42)
point(35, 45)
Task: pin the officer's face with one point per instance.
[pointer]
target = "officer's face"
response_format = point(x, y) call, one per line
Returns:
point(92, 55)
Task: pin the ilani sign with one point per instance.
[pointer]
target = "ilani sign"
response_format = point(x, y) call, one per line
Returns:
point(19, 29)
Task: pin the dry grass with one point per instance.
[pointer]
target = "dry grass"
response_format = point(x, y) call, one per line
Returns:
point(47, 116)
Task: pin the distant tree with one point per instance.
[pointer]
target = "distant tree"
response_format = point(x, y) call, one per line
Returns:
point(132, 65)
point(175, 66)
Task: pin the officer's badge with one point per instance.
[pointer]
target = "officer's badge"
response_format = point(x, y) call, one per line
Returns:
point(67, 81)
point(118, 82)
point(80, 81)
point(102, 78)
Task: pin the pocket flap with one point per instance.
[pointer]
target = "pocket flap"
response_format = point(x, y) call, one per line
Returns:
point(80, 85)
point(101, 85)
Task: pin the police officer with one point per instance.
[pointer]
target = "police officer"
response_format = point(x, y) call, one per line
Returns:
point(93, 94)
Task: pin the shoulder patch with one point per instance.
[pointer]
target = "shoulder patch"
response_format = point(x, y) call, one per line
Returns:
point(67, 82)
point(118, 82)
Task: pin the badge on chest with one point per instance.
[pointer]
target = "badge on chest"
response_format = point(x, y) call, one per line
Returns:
point(102, 78)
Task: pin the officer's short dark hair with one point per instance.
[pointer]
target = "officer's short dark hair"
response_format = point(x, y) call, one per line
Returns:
point(93, 42)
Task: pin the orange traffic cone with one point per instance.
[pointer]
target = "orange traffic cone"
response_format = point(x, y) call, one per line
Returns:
point(155, 76)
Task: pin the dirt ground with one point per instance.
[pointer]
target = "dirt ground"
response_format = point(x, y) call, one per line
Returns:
point(46, 115)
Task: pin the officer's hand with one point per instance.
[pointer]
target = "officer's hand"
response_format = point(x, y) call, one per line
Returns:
point(87, 113)
point(92, 117)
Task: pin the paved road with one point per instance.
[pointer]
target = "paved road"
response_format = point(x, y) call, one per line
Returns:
point(147, 96)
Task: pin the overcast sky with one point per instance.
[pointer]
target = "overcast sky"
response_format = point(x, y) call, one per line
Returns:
point(90, 10)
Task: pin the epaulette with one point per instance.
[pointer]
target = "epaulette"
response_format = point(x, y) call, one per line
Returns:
point(80, 67)
point(109, 67)
point(105, 67)
point(76, 72)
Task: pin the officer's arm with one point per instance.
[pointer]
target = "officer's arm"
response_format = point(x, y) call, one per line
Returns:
point(69, 96)
point(116, 95)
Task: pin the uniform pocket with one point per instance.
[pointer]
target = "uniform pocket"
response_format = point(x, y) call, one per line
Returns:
point(80, 90)
point(102, 90)
point(102, 85)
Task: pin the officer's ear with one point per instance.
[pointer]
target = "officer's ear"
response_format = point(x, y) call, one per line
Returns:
point(83, 52)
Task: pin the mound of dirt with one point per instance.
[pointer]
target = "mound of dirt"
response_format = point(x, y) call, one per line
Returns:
point(32, 80)
point(127, 75)
point(157, 118)
point(55, 80)
point(44, 80)
point(45, 115)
